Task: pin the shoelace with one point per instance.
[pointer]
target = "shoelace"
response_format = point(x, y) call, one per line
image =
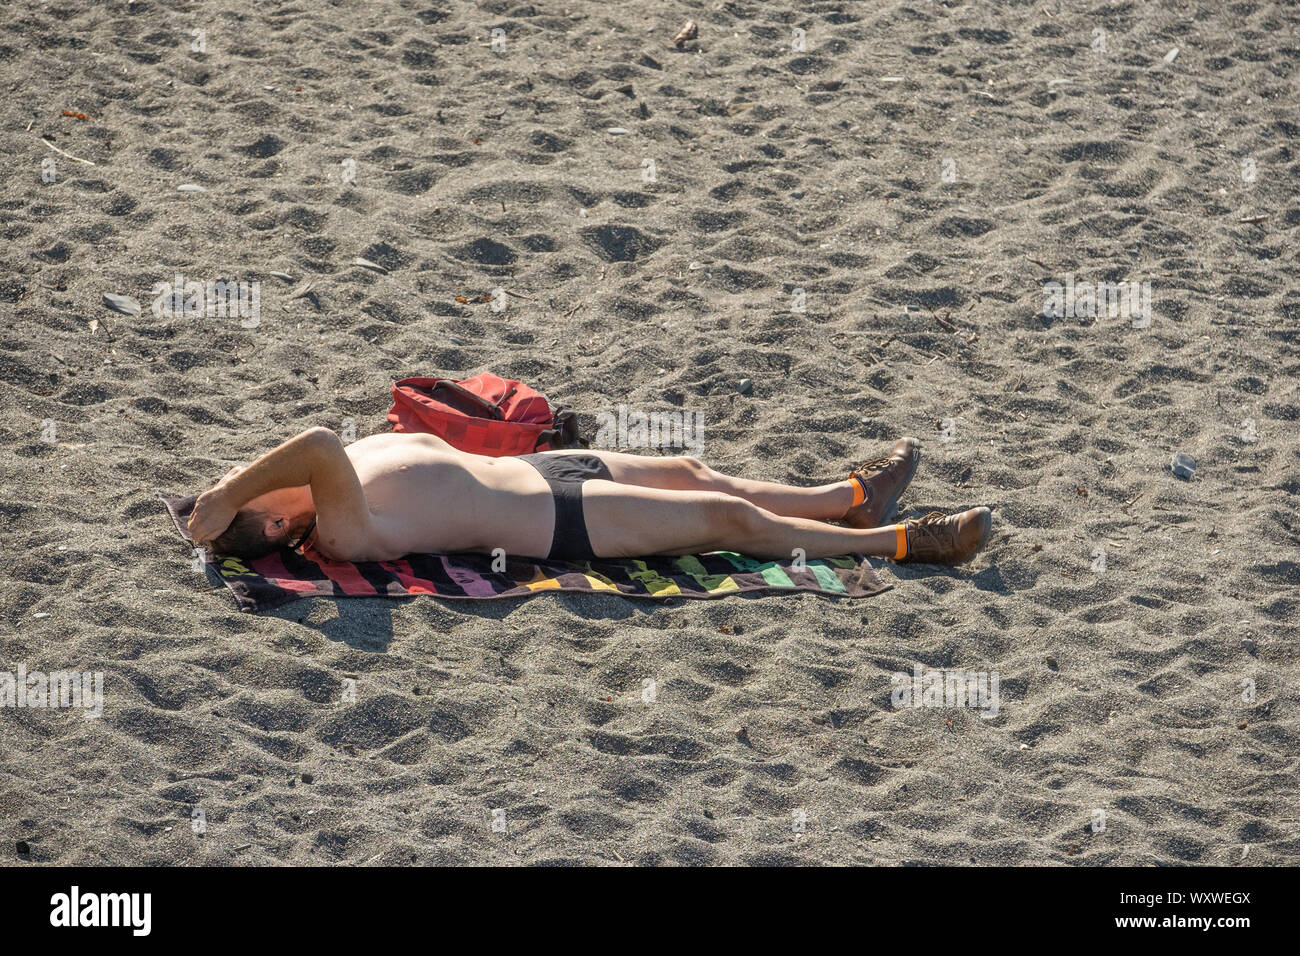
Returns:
point(934, 517)
point(930, 526)
point(875, 463)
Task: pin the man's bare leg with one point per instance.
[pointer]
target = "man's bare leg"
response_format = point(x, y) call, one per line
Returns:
point(627, 521)
point(683, 473)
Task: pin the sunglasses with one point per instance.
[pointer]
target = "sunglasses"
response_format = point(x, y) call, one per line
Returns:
point(305, 535)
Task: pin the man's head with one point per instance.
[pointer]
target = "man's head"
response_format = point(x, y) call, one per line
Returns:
point(267, 523)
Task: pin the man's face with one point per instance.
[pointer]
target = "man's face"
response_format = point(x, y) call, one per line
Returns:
point(289, 512)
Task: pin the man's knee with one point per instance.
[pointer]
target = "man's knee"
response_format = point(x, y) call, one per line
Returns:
point(736, 516)
point(692, 472)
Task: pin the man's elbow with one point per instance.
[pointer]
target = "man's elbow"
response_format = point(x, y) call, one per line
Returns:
point(320, 442)
point(320, 437)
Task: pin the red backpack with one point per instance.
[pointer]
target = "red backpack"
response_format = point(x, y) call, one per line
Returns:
point(484, 415)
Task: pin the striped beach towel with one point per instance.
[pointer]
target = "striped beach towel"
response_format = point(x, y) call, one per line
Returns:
point(289, 575)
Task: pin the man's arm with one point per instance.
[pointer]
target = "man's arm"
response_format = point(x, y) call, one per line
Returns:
point(315, 458)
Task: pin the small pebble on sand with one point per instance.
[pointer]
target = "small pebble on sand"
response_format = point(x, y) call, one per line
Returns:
point(122, 303)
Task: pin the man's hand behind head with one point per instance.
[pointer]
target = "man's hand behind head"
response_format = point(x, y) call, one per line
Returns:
point(212, 514)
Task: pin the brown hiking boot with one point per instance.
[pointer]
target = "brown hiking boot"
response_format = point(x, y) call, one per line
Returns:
point(885, 479)
point(947, 539)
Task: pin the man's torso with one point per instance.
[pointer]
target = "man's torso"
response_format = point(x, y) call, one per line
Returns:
point(426, 496)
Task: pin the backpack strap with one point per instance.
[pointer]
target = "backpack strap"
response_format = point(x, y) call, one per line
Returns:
point(493, 409)
point(565, 432)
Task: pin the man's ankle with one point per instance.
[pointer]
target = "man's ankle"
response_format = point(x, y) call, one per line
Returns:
point(858, 491)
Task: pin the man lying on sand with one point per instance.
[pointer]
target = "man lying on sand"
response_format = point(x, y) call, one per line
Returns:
point(390, 495)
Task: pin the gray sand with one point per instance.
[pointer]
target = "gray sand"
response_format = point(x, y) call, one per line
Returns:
point(1121, 690)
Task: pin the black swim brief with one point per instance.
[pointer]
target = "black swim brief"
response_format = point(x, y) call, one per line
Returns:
point(565, 474)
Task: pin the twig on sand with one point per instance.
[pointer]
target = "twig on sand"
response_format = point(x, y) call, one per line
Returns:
point(62, 153)
point(526, 298)
point(944, 322)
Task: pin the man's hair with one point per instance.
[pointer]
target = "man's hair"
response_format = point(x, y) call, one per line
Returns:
point(246, 536)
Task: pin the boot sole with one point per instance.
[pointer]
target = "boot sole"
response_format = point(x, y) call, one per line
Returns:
point(891, 508)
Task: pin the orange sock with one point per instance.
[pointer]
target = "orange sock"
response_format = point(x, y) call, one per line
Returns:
point(900, 550)
point(859, 489)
